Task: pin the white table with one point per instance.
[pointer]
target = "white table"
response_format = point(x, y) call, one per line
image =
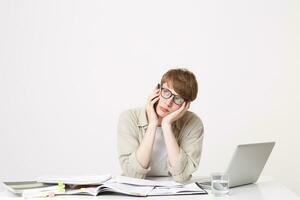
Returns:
point(264, 189)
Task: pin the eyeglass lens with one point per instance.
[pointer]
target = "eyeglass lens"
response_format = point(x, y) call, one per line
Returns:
point(167, 94)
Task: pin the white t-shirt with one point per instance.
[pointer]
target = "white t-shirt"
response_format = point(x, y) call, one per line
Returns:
point(159, 156)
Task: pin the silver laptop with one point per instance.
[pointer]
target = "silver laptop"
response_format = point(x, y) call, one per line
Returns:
point(247, 163)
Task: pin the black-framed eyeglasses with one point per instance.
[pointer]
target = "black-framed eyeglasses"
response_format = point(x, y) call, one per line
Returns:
point(166, 93)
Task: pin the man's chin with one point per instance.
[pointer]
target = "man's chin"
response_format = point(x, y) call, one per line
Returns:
point(162, 114)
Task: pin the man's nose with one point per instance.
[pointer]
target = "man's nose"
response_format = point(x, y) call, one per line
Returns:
point(169, 101)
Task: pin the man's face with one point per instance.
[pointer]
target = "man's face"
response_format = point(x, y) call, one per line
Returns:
point(166, 106)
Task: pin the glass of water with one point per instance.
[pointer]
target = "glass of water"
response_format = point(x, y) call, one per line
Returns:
point(219, 184)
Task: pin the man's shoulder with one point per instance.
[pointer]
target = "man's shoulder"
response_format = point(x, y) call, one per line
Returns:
point(133, 112)
point(191, 118)
point(191, 123)
point(191, 115)
point(136, 115)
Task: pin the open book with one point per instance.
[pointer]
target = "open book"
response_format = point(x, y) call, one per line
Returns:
point(95, 185)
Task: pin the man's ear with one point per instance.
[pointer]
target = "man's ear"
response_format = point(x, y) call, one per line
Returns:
point(188, 104)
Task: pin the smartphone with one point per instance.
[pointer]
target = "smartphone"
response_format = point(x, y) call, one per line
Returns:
point(155, 105)
point(158, 86)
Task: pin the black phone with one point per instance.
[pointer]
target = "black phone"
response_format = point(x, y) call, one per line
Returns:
point(155, 105)
point(158, 86)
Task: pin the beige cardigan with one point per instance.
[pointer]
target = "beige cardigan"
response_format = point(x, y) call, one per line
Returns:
point(188, 131)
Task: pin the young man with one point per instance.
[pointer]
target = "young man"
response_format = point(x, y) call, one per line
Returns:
point(164, 138)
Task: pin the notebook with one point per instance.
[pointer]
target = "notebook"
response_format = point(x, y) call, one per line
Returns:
point(30, 189)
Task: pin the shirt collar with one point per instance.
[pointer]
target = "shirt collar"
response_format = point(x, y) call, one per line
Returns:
point(143, 121)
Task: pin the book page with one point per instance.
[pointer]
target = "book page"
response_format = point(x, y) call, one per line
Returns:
point(191, 188)
point(143, 182)
point(128, 189)
point(76, 180)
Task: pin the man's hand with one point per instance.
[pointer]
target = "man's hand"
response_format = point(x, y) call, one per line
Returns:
point(170, 140)
point(143, 153)
point(169, 119)
point(151, 113)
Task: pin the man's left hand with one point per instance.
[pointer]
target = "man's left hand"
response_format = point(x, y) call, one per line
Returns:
point(169, 119)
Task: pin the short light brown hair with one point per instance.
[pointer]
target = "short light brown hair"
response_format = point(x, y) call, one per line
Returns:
point(182, 81)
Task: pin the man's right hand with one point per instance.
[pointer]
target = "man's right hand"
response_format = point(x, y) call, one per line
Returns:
point(151, 113)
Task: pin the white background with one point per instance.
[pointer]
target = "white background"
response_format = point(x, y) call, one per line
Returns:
point(69, 68)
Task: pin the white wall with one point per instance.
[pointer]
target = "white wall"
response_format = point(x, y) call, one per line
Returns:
point(68, 68)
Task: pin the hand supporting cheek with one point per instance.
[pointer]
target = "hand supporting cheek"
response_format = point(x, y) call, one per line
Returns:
point(172, 117)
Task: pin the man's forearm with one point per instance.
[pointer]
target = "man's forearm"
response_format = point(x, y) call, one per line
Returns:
point(144, 151)
point(171, 144)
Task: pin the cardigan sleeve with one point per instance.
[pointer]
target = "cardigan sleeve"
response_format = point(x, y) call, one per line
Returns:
point(128, 144)
point(190, 145)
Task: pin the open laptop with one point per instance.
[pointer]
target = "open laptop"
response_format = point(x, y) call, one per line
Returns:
point(247, 163)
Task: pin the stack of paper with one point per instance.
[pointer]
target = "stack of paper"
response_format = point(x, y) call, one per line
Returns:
point(76, 180)
point(30, 189)
point(156, 187)
point(50, 185)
